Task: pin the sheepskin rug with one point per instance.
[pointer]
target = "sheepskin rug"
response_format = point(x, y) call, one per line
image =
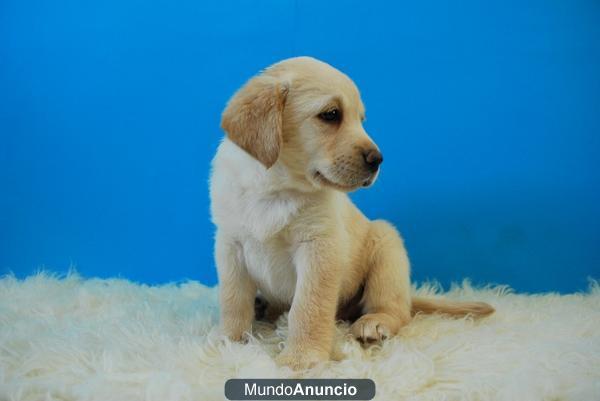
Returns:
point(75, 339)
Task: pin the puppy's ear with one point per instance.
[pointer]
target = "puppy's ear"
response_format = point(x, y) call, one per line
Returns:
point(253, 118)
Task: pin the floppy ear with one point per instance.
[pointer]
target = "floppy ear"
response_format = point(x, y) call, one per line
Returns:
point(253, 118)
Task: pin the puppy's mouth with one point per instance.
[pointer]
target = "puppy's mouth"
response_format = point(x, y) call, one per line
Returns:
point(320, 178)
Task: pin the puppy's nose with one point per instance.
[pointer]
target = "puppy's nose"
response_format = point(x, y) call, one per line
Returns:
point(373, 158)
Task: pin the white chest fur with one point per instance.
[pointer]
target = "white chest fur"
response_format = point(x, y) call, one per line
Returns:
point(249, 206)
point(270, 265)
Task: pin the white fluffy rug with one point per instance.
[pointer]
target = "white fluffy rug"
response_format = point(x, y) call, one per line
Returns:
point(75, 339)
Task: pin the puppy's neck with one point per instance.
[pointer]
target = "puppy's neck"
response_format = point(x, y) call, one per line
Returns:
point(251, 174)
point(259, 201)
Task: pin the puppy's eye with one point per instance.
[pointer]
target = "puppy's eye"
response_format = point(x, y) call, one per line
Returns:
point(331, 116)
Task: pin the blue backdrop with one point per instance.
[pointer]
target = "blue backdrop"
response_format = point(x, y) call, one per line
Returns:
point(488, 114)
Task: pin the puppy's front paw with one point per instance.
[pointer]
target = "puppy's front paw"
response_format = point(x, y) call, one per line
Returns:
point(372, 328)
point(238, 337)
point(236, 330)
point(297, 360)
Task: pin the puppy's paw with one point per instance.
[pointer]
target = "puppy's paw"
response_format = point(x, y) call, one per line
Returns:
point(236, 330)
point(238, 337)
point(297, 360)
point(372, 328)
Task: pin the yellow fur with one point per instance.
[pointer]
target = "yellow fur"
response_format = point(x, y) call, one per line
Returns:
point(285, 225)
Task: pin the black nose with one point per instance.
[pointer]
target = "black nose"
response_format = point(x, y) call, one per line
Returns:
point(373, 158)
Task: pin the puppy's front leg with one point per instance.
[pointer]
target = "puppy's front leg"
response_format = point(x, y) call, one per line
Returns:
point(312, 316)
point(237, 289)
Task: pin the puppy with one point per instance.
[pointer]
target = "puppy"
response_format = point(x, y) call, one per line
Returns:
point(295, 146)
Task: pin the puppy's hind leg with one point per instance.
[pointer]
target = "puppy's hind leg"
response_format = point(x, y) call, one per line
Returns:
point(386, 301)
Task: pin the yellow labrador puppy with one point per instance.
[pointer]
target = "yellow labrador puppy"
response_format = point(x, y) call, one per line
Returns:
point(295, 146)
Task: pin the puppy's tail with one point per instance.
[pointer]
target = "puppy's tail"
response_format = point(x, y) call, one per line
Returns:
point(452, 308)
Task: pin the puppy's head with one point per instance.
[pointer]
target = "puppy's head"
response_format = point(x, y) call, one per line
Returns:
point(306, 116)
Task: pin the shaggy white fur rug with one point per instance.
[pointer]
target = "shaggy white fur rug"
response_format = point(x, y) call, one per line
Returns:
point(75, 339)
